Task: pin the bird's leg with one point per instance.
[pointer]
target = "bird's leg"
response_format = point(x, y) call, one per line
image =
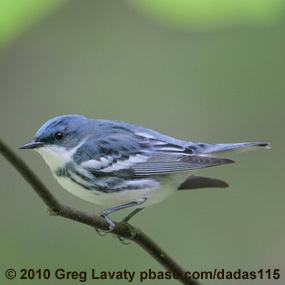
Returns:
point(125, 220)
point(131, 214)
point(104, 214)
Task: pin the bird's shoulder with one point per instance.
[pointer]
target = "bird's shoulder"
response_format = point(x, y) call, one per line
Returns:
point(114, 145)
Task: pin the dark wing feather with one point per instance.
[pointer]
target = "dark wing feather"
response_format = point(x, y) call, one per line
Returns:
point(169, 163)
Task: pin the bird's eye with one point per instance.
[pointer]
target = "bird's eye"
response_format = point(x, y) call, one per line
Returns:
point(58, 136)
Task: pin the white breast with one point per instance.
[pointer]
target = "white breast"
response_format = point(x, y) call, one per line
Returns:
point(57, 157)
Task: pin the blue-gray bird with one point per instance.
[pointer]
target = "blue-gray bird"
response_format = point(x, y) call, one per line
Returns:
point(121, 165)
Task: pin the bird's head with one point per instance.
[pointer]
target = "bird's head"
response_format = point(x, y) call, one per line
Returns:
point(58, 137)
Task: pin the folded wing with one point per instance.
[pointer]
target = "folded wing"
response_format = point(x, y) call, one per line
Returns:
point(164, 163)
point(133, 155)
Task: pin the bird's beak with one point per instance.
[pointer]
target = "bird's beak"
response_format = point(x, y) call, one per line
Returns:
point(32, 144)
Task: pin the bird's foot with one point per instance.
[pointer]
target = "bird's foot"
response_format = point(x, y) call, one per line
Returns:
point(111, 224)
point(127, 241)
point(123, 241)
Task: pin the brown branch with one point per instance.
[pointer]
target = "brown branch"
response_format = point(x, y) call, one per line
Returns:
point(122, 230)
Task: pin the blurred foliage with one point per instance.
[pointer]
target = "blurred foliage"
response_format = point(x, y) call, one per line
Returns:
point(18, 16)
point(211, 13)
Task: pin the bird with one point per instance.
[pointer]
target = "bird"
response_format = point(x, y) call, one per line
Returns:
point(120, 165)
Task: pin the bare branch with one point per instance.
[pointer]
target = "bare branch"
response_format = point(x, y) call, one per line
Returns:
point(95, 221)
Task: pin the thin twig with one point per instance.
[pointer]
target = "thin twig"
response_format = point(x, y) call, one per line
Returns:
point(95, 221)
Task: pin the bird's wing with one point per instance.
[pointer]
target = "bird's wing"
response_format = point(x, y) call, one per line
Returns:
point(132, 154)
point(168, 163)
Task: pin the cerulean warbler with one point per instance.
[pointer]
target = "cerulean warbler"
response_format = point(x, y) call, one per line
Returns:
point(121, 165)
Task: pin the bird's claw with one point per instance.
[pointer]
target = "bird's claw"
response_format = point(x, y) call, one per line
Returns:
point(124, 241)
point(111, 226)
point(127, 241)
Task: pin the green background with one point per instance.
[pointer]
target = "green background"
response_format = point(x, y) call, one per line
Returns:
point(218, 79)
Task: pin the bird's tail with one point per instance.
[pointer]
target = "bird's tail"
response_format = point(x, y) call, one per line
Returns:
point(198, 147)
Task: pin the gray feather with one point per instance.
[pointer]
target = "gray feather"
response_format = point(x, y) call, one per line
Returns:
point(199, 147)
point(162, 164)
